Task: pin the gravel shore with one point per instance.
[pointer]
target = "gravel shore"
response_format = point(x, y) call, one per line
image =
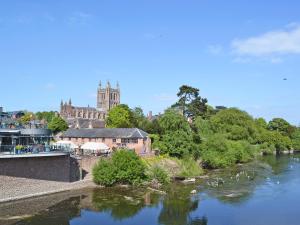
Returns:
point(14, 188)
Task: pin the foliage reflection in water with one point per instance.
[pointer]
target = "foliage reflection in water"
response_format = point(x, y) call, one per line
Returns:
point(262, 192)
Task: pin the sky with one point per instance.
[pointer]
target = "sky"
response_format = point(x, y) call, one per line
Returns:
point(243, 54)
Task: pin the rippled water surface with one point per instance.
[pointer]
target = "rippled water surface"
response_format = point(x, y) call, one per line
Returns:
point(266, 192)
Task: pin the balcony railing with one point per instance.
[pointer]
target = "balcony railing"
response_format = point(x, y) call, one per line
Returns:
point(32, 149)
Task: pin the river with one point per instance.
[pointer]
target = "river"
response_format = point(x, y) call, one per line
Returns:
point(264, 192)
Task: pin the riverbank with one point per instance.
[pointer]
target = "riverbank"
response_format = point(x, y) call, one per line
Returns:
point(14, 188)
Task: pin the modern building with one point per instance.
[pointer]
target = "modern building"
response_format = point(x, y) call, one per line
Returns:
point(131, 138)
point(35, 138)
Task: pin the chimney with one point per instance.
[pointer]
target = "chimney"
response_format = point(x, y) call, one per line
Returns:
point(150, 116)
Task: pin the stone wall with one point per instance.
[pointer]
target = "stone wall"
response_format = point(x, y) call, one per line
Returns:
point(87, 164)
point(55, 168)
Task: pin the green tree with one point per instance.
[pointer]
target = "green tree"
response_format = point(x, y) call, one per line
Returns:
point(172, 120)
point(235, 124)
point(29, 116)
point(190, 102)
point(47, 116)
point(120, 116)
point(296, 139)
point(261, 122)
point(57, 125)
point(125, 167)
point(282, 126)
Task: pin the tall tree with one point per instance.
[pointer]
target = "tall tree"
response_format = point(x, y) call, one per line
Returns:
point(190, 102)
point(120, 116)
point(282, 126)
point(57, 125)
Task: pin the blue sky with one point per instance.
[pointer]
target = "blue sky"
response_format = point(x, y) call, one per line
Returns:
point(236, 52)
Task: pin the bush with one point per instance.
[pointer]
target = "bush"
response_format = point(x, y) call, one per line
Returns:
point(125, 167)
point(159, 174)
point(189, 168)
point(104, 173)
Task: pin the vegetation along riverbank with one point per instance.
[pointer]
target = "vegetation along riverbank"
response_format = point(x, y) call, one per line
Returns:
point(191, 136)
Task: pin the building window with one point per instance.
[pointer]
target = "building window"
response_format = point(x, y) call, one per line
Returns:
point(103, 139)
point(114, 140)
point(134, 141)
point(128, 141)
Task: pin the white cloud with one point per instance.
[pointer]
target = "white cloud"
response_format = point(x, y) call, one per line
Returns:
point(79, 18)
point(279, 42)
point(215, 49)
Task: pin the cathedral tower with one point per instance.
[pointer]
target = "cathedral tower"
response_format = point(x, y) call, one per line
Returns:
point(108, 97)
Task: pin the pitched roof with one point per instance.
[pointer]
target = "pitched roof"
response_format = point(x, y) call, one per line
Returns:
point(85, 123)
point(105, 133)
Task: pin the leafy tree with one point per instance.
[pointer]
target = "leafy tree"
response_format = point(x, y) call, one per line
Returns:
point(47, 116)
point(261, 122)
point(235, 124)
point(29, 116)
point(218, 152)
point(171, 121)
point(125, 167)
point(203, 127)
point(296, 139)
point(190, 102)
point(120, 116)
point(282, 126)
point(142, 122)
point(58, 124)
point(178, 144)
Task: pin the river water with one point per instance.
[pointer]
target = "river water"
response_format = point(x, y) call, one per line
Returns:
point(265, 192)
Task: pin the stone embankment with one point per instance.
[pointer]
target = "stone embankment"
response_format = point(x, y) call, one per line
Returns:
point(14, 188)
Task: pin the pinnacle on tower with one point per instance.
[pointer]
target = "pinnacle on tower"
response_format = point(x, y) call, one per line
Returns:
point(108, 84)
point(118, 85)
point(70, 101)
point(100, 84)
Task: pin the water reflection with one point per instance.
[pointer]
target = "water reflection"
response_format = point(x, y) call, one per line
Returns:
point(122, 203)
point(237, 188)
point(176, 208)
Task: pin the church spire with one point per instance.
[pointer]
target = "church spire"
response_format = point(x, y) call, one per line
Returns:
point(108, 84)
point(70, 101)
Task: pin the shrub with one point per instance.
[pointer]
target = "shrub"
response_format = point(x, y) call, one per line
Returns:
point(125, 167)
point(189, 167)
point(104, 173)
point(159, 174)
point(130, 168)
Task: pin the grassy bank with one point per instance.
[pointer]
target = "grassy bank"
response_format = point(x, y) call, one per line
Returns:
point(125, 167)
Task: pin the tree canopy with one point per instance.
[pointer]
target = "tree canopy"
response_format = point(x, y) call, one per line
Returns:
point(120, 116)
point(190, 102)
point(57, 125)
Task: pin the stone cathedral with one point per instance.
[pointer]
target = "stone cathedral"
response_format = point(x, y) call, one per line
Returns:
point(90, 117)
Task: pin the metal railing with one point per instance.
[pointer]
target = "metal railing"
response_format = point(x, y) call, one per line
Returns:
point(32, 149)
